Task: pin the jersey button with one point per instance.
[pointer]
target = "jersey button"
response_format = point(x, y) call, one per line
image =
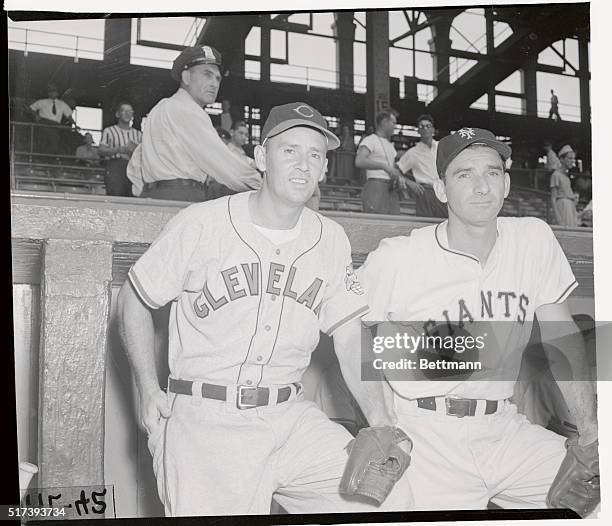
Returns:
point(273, 297)
point(267, 327)
point(259, 358)
point(249, 382)
point(278, 251)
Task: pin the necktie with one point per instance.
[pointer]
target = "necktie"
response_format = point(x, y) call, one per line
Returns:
point(54, 110)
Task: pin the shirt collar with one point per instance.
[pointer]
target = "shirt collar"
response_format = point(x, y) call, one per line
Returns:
point(441, 233)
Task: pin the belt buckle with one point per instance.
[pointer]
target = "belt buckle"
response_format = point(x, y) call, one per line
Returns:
point(456, 409)
point(239, 403)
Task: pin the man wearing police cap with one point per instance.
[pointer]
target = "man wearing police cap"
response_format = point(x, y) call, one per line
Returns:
point(180, 148)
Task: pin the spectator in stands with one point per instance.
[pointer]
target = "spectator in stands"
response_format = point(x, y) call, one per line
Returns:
point(226, 117)
point(239, 137)
point(552, 161)
point(118, 144)
point(554, 106)
point(586, 216)
point(50, 112)
point(376, 155)
point(419, 162)
point(561, 193)
point(236, 139)
point(180, 148)
point(88, 152)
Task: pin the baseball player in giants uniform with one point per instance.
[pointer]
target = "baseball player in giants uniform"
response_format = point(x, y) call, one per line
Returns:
point(470, 444)
point(252, 278)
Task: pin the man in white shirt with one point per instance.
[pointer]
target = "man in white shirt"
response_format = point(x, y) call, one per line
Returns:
point(118, 143)
point(180, 148)
point(376, 155)
point(420, 162)
point(49, 112)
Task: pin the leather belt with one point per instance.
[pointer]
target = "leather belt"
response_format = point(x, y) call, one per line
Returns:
point(458, 407)
point(173, 183)
point(247, 397)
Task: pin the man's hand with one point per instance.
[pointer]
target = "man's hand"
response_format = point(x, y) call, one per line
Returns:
point(394, 172)
point(153, 407)
point(415, 188)
point(130, 147)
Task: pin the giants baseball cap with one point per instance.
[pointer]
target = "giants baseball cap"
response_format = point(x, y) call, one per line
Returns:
point(452, 145)
point(281, 118)
point(192, 56)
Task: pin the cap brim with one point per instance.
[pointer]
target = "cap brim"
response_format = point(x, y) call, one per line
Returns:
point(332, 141)
point(503, 149)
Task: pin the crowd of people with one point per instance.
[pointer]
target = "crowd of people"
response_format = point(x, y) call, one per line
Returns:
point(204, 158)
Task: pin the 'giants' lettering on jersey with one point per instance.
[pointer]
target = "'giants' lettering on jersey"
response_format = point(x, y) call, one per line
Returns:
point(246, 280)
point(493, 304)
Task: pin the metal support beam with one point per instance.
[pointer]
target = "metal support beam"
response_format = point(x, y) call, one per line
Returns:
point(530, 87)
point(264, 52)
point(344, 31)
point(377, 63)
point(440, 44)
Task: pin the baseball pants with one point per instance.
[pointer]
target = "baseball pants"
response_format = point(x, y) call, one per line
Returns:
point(115, 178)
point(463, 463)
point(428, 205)
point(211, 458)
point(379, 197)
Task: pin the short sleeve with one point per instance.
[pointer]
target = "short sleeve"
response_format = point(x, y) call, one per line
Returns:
point(67, 110)
point(554, 180)
point(368, 144)
point(378, 276)
point(159, 275)
point(344, 299)
point(556, 280)
point(36, 105)
point(406, 162)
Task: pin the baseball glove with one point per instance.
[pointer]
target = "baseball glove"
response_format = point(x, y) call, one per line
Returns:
point(576, 485)
point(377, 459)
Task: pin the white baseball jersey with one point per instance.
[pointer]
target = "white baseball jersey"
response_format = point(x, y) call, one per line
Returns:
point(419, 278)
point(244, 310)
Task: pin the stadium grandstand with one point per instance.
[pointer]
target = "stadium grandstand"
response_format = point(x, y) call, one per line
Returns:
point(484, 67)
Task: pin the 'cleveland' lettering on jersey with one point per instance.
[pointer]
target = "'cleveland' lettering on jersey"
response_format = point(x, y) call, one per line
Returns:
point(243, 280)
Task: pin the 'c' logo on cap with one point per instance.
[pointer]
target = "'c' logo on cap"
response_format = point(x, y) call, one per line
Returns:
point(208, 54)
point(304, 111)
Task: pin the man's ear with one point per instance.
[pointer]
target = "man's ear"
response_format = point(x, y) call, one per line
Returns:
point(185, 77)
point(323, 171)
point(506, 185)
point(260, 157)
point(440, 190)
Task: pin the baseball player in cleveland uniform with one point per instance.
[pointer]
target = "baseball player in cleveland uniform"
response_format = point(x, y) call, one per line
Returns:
point(252, 278)
point(470, 444)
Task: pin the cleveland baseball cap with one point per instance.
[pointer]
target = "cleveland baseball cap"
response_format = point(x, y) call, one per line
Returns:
point(452, 145)
point(192, 56)
point(565, 150)
point(281, 118)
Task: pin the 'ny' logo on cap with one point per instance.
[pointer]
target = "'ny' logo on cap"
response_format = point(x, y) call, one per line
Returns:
point(466, 133)
point(208, 53)
point(304, 111)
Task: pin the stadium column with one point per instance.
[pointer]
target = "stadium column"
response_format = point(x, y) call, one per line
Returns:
point(344, 32)
point(585, 98)
point(530, 86)
point(75, 308)
point(377, 64)
point(440, 46)
point(115, 67)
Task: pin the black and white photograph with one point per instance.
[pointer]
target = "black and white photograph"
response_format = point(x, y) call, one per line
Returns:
point(322, 264)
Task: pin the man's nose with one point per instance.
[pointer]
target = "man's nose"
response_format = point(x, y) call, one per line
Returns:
point(481, 184)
